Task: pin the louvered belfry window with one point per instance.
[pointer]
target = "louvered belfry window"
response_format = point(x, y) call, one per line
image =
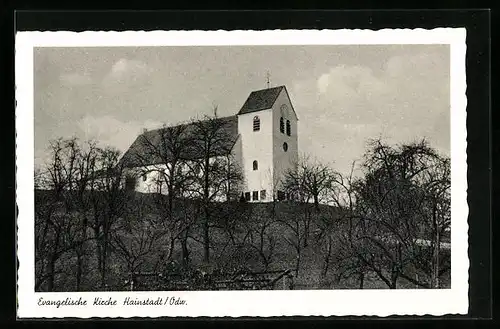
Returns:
point(256, 123)
point(288, 128)
point(282, 126)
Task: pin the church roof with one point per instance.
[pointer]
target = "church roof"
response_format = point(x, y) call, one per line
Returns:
point(260, 100)
point(145, 149)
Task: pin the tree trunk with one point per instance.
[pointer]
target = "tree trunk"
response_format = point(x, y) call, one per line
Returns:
point(394, 279)
point(52, 263)
point(79, 266)
point(306, 225)
point(185, 251)
point(104, 259)
point(98, 249)
point(297, 263)
point(50, 274)
point(206, 237)
point(171, 249)
point(80, 251)
point(327, 258)
point(206, 196)
point(316, 202)
point(435, 258)
point(361, 280)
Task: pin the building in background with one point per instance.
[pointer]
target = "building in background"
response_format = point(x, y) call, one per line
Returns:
point(261, 139)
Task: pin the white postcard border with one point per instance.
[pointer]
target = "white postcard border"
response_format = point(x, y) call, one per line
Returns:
point(244, 303)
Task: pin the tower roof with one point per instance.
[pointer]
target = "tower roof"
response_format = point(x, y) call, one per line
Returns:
point(260, 100)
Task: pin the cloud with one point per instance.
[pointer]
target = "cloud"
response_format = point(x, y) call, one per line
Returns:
point(126, 73)
point(405, 99)
point(110, 131)
point(75, 79)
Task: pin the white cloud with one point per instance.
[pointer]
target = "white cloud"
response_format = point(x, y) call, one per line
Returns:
point(126, 70)
point(323, 82)
point(75, 79)
point(348, 104)
point(127, 76)
point(128, 66)
point(109, 131)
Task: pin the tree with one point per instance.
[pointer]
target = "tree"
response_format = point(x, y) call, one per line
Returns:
point(57, 228)
point(109, 200)
point(82, 191)
point(394, 202)
point(335, 227)
point(308, 181)
point(259, 232)
point(212, 171)
point(435, 211)
point(138, 239)
point(165, 154)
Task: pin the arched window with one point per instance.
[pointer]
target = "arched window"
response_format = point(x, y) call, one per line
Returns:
point(288, 128)
point(255, 165)
point(256, 123)
point(282, 126)
point(144, 177)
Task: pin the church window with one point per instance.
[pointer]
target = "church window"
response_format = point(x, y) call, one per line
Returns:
point(144, 177)
point(256, 123)
point(285, 146)
point(247, 196)
point(263, 194)
point(255, 195)
point(282, 126)
point(288, 128)
point(255, 165)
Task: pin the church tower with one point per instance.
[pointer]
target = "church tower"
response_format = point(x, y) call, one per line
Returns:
point(267, 125)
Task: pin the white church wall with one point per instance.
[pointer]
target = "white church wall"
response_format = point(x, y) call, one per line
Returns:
point(236, 158)
point(282, 160)
point(257, 146)
point(146, 178)
point(150, 179)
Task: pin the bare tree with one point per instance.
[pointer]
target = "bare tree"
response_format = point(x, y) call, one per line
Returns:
point(392, 205)
point(138, 239)
point(109, 200)
point(57, 229)
point(435, 211)
point(308, 181)
point(334, 230)
point(165, 153)
point(253, 228)
point(212, 170)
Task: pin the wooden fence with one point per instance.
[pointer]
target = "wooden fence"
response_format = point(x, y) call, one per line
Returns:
point(267, 280)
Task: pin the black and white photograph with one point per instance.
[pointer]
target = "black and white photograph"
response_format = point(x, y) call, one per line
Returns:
point(243, 167)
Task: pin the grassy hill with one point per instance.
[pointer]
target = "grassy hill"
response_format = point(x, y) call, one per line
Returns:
point(145, 238)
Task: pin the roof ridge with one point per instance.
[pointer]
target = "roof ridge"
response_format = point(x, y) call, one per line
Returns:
point(186, 123)
point(281, 86)
point(229, 124)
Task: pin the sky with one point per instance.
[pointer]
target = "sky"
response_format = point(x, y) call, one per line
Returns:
point(343, 94)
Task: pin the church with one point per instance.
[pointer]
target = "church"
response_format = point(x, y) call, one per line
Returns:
point(262, 139)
